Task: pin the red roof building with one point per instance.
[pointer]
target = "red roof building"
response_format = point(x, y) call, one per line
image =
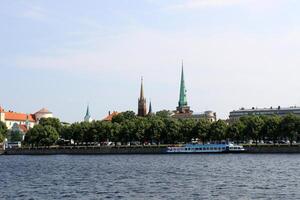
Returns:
point(110, 116)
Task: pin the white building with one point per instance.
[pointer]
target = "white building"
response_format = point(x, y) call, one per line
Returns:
point(11, 118)
point(280, 111)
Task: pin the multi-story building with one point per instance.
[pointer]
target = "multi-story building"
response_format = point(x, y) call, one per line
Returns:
point(11, 118)
point(280, 111)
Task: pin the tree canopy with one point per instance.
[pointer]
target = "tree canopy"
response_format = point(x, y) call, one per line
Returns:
point(127, 128)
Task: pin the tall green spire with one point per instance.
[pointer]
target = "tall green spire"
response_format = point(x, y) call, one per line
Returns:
point(182, 96)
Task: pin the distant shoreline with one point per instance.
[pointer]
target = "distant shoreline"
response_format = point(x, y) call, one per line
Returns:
point(135, 150)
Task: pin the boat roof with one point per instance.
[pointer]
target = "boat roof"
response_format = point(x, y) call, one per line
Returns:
point(206, 145)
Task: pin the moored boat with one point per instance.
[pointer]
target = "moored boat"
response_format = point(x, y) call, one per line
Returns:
point(206, 148)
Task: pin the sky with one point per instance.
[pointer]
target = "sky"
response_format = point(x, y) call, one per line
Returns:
point(66, 54)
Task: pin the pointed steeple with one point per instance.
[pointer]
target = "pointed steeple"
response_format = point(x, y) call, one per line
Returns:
point(87, 117)
point(142, 108)
point(182, 103)
point(150, 108)
point(182, 96)
point(142, 89)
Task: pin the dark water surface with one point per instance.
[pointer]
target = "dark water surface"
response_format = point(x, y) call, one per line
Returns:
point(239, 176)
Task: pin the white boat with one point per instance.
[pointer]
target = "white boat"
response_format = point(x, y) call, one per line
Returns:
point(206, 148)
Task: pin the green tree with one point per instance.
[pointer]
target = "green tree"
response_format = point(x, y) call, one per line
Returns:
point(34, 135)
point(15, 135)
point(155, 129)
point(54, 122)
point(3, 131)
point(171, 132)
point(128, 115)
point(218, 130)
point(49, 136)
point(289, 127)
point(271, 128)
point(164, 113)
point(76, 133)
point(128, 132)
point(66, 132)
point(115, 132)
point(253, 127)
point(201, 129)
point(236, 131)
point(102, 130)
point(141, 125)
point(187, 129)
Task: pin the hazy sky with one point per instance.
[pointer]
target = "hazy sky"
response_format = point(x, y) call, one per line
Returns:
point(63, 54)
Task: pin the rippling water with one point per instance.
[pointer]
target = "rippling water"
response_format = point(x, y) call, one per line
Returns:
point(238, 176)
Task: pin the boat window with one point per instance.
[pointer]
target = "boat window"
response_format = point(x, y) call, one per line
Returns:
point(200, 148)
point(186, 149)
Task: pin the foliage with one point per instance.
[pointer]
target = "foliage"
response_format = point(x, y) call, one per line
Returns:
point(128, 129)
point(253, 127)
point(3, 131)
point(41, 135)
point(217, 130)
point(164, 113)
point(235, 131)
point(54, 122)
point(201, 129)
point(15, 136)
point(128, 115)
point(289, 126)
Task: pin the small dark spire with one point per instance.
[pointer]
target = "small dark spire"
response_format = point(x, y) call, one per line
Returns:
point(150, 108)
point(142, 107)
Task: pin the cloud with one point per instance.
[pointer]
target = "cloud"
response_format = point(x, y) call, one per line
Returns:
point(35, 13)
point(139, 51)
point(192, 4)
point(252, 5)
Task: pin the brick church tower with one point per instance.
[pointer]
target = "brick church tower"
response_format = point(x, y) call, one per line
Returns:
point(142, 108)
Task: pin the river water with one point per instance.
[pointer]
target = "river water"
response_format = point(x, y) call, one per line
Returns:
point(210, 176)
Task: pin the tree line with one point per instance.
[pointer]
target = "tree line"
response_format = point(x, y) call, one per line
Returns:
point(127, 129)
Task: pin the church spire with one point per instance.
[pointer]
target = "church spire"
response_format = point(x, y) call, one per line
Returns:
point(142, 108)
point(87, 117)
point(182, 96)
point(182, 103)
point(150, 108)
point(142, 89)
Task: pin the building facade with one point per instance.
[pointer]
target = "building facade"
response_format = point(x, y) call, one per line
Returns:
point(110, 116)
point(280, 111)
point(11, 118)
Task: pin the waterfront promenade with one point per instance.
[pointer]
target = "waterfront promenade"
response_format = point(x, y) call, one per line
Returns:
point(110, 150)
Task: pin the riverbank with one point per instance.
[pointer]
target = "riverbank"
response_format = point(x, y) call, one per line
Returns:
point(87, 150)
point(260, 149)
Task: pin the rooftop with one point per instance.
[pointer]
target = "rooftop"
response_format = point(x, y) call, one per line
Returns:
point(291, 108)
